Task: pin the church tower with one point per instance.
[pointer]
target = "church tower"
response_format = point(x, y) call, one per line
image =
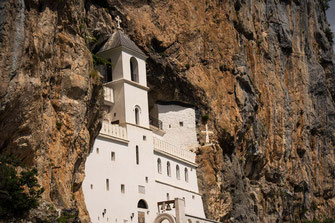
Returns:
point(126, 75)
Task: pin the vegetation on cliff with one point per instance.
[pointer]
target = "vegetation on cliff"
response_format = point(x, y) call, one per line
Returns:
point(19, 191)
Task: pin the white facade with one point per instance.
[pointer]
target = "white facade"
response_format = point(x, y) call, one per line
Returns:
point(179, 125)
point(130, 168)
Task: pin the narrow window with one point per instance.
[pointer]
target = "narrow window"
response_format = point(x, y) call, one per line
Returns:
point(137, 116)
point(146, 179)
point(159, 165)
point(169, 126)
point(168, 167)
point(186, 175)
point(134, 69)
point(178, 172)
point(193, 196)
point(122, 188)
point(181, 124)
point(91, 186)
point(167, 196)
point(109, 71)
point(97, 150)
point(107, 184)
point(137, 156)
point(144, 138)
point(113, 156)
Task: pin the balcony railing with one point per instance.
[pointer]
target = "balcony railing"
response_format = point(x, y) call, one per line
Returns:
point(115, 131)
point(156, 122)
point(160, 145)
point(108, 94)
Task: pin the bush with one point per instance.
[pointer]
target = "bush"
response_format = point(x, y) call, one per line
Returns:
point(330, 35)
point(204, 118)
point(324, 4)
point(18, 191)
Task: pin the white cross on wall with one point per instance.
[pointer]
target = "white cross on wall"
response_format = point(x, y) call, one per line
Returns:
point(118, 20)
point(207, 134)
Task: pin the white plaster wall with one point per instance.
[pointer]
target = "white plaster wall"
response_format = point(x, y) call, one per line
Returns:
point(171, 115)
point(141, 68)
point(119, 109)
point(123, 170)
point(136, 96)
point(192, 183)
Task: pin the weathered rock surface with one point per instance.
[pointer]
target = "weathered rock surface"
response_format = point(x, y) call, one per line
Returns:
point(262, 70)
point(49, 103)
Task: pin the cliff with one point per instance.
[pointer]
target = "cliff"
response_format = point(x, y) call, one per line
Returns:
point(263, 72)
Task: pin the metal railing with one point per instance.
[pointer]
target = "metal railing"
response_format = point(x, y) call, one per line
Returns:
point(116, 131)
point(168, 148)
point(156, 122)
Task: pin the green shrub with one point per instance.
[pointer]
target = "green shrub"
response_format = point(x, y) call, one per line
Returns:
point(204, 118)
point(99, 60)
point(329, 35)
point(324, 4)
point(19, 192)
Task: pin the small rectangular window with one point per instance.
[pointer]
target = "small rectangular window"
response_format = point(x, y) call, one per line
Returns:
point(97, 150)
point(181, 124)
point(146, 179)
point(107, 184)
point(167, 196)
point(91, 186)
point(141, 189)
point(137, 156)
point(122, 188)
point(144, 138)
point(113, 156)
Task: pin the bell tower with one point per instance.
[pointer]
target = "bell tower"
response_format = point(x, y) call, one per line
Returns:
point(125, 74)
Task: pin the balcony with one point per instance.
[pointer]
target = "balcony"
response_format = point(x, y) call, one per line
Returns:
point(156, 122)
point(108, 95)
point(176, 152)
point(113, 131)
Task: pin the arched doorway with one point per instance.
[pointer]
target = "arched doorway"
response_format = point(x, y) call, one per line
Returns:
point(141, 204)
point(165, 218)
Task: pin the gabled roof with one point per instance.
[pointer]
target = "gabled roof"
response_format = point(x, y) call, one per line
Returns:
point(120, 39)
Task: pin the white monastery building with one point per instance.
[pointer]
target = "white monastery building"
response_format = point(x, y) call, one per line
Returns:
point(140, 169)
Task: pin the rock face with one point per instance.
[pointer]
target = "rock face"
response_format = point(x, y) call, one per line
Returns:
point(263, 72)
point(49, 98)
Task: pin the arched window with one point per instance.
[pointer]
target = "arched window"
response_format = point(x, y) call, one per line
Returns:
point(186, 174)
point(177, 172)
point(109, 76)
point(189, 221)
point(137, 156)
point(168, 168)
point(134, 69)
point(137, 115)
point(159, 165)
point(142, 204)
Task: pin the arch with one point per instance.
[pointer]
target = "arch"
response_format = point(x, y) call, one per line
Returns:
point(178, 172)
point(137, 114)
point(189, 221)
point(134, 69)
point(186, 174)
point(142, 204)
point(197, 222)
point(165, 216)
point(109, 76)
point(168, 169)
point(159, 165)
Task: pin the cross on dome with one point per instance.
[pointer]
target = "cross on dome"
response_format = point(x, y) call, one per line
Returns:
point(118, 20)
point(207, 134)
